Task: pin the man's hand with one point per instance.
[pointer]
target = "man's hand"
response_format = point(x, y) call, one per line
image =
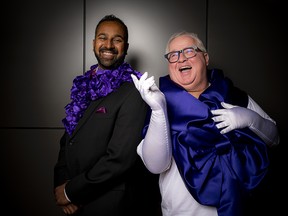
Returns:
point(233, 117)
point(60, 195)
point(69, 209)
point(61, 200)
point(149, 91)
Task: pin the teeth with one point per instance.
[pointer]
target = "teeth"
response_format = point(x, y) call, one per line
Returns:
point(184, 68)
point(107, 53)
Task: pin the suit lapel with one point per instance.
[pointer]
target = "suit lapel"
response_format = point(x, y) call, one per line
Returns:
point(91, 108)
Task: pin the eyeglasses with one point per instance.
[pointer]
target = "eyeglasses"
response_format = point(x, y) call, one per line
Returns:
point(188, 52)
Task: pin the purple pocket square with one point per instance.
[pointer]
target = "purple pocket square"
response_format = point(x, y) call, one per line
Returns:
point(101, 110)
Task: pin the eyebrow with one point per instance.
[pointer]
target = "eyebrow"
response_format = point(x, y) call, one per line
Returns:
point(191, 46)
point(117, 35)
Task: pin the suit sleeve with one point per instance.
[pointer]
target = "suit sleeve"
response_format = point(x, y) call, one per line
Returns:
point(60, 169)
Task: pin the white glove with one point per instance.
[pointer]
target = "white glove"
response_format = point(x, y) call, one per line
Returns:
point(155, 149)
point(233, 117)
point(149, 91)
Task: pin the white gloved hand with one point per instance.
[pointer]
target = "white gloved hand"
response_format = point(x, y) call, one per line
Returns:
point(233, 117)
point(149, 91)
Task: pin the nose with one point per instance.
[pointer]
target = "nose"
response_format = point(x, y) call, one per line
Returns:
point(109, 44)
point(182, 57)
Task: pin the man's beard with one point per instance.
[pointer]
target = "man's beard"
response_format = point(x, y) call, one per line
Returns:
point(110, 64)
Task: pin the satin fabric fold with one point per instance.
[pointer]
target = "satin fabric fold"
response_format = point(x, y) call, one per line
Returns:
point(217, 169)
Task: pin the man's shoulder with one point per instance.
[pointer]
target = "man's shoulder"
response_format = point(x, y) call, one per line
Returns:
point(127, 89)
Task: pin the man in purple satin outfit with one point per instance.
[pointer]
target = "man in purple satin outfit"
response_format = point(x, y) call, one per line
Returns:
point(206, 138)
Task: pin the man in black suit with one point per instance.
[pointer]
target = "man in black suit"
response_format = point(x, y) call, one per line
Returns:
point(98, 171)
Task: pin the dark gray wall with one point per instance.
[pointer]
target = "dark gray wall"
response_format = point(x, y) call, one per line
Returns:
point(47, 43)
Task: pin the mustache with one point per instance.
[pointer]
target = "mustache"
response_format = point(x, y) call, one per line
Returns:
point(114, 51)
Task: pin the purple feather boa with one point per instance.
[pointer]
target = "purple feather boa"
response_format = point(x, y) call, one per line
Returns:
point(94, 84)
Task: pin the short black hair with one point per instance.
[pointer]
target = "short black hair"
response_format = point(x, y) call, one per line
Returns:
point(113, 18)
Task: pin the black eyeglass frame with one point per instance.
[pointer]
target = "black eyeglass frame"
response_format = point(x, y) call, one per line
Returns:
point(195, 48)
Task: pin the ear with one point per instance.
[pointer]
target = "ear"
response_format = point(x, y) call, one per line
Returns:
point(126, 48)
point(206, 56)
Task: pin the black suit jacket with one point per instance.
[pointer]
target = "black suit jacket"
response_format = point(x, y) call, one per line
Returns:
point(99, 160)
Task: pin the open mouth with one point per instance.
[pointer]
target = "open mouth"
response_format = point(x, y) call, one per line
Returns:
point(107, 54)
point(185, 68)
